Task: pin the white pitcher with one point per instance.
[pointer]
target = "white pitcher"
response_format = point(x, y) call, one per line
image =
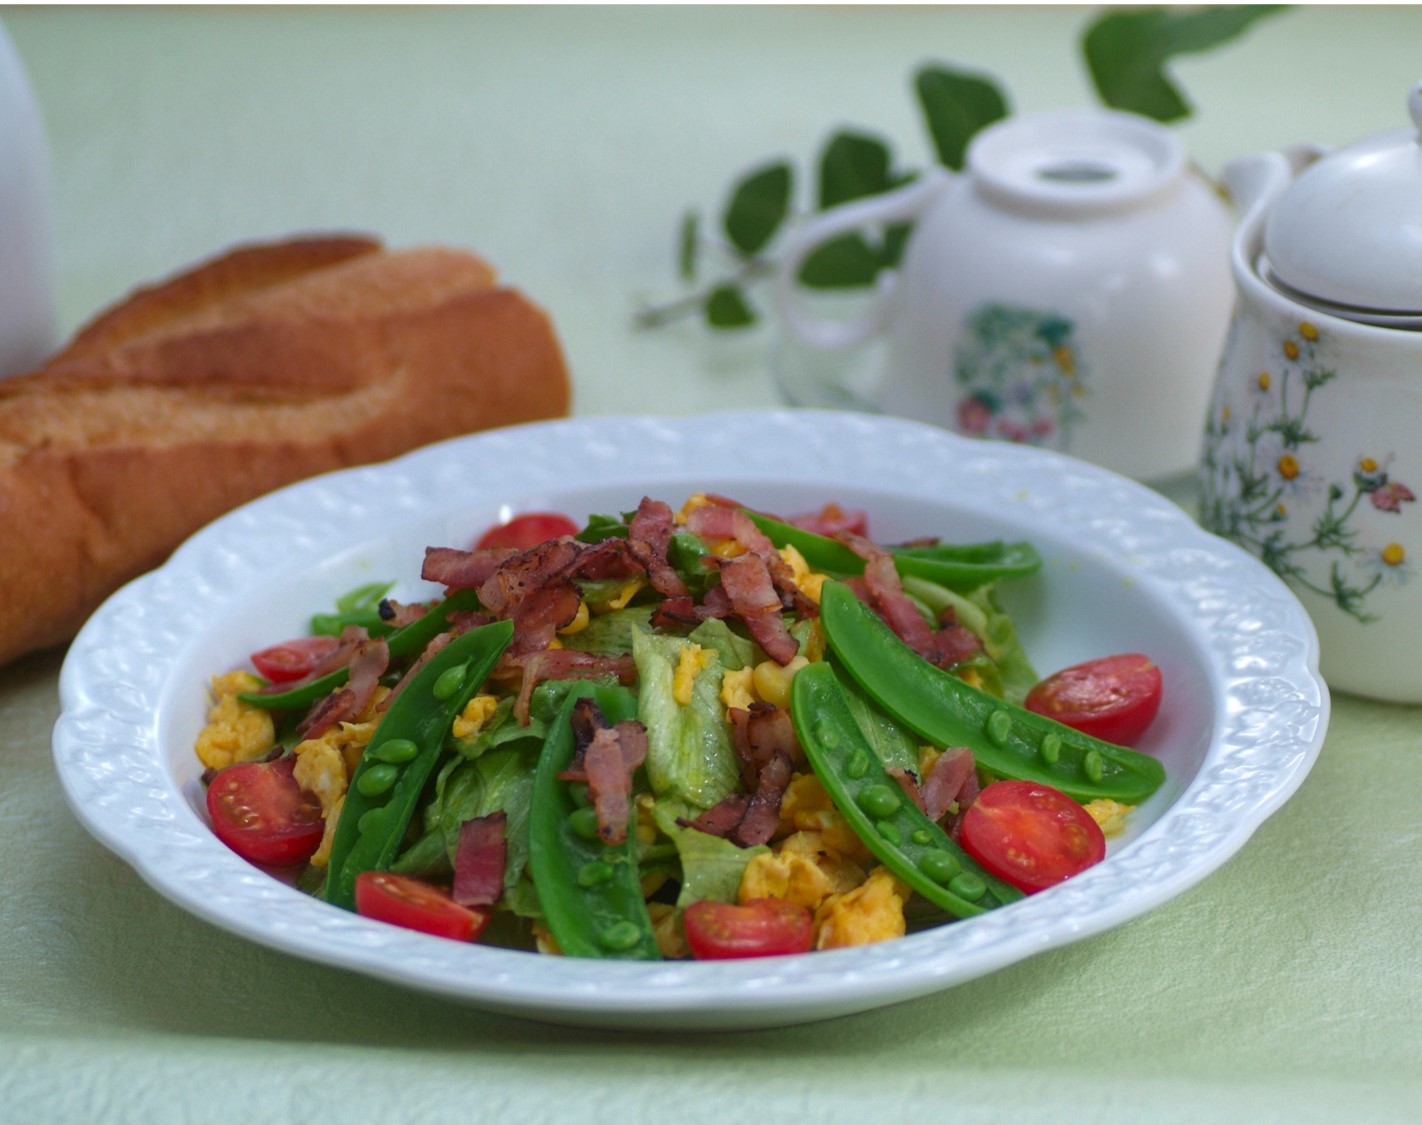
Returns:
point(1070, 289)
point(28, 316)
point(1313, 450)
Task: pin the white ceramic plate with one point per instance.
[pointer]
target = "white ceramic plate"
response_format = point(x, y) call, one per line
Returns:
point(1243, 718)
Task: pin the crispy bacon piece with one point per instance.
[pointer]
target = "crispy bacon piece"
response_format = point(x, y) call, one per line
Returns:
point(723, 520)
point(762, 815)
point(607, 558)
point(611, 759)
point(766, 745)
point(437, 642)
point(527, 571)
point(479, 861)
point(606, 757)
point(539, 615)
point(883, 591)
point(648, 538)
point(463, 570)
point(747, 584)
point(367, 664)
point(560, 664)
point(722, 818)
point(952, 777)
point(758, 734)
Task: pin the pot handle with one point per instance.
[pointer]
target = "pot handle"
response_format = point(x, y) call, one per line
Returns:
point(906, 203)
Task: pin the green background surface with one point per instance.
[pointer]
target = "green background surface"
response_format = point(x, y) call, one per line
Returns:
point(564, 144)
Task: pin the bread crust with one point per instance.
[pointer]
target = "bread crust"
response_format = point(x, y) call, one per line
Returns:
point(268, 365)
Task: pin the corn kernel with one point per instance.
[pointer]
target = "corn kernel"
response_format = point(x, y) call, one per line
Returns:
point(772, 680)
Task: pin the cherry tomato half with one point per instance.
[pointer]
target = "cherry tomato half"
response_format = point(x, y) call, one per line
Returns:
point(1030, 835)
point(527, 530)
point(416, 905)
point(260, 812)
point(763, 927)
point(1114, 698)
point(293, 660)
point(832, 520)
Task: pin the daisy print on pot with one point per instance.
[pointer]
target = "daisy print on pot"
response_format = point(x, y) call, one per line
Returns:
point(1312, 455)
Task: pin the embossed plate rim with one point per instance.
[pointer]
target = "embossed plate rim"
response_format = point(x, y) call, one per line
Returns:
point(127, 676)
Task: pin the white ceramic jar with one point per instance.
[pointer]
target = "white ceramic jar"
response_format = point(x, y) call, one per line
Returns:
point(28, 319)
point(1312, 458)
point(1070, 289)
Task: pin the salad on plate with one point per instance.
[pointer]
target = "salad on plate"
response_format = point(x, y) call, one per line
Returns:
point(702, 732)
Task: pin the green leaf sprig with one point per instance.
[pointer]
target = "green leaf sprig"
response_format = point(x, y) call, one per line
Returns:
point(1125, 52)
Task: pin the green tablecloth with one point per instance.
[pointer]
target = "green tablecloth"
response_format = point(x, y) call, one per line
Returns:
point(564, 144)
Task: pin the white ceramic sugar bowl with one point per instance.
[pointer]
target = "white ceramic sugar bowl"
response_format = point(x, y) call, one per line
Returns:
point(1069, 289)
point(1313, 447)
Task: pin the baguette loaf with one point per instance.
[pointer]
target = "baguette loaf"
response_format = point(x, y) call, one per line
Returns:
point(270, 364)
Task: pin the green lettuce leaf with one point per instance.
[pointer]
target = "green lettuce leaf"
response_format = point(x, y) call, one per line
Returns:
point(690, 756)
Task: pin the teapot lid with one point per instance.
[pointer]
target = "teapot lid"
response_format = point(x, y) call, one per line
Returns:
point(1348, 231)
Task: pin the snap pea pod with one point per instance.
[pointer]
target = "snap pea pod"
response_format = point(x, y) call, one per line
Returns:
point(590, 891)
point(402, 752)
point(1006, 740)
point(405, 641)
point(958, 566)
point(893, 828)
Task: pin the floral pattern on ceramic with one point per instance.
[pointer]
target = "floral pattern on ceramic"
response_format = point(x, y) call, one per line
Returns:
point(1260, 464)
point(1022, 376)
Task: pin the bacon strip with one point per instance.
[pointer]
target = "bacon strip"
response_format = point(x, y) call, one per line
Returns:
point(611, 760)
point(754, 600)
point(606, 757)
point(479, 861)
point(523, 573)
point(437, 643)
point(648, 538)
point(758, 734)
point(722, 520)
point(951, 778)
point(463, 570)
point(882, 589)
point(762, 816)
point(561, 664)
point(539, 615)
point(368, 662)
point(722, 818)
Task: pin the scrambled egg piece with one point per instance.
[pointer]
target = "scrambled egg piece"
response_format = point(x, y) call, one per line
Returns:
point(803, 870)
point(476, 713)
point(807, 807)
point(666, 927)
point(235, 731)
point(1109, 815)
point(809, 581)
point(322, 856)
point(738, 688)
point(623, 596)
point(873, 911)
point(693, 660)
point(324, 766)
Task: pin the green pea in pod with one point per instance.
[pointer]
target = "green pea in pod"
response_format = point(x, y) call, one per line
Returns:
point(1006, 740)
point(893, 828)
point(401, 754)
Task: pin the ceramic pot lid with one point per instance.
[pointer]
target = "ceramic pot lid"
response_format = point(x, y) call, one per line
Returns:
point(1348, 231)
